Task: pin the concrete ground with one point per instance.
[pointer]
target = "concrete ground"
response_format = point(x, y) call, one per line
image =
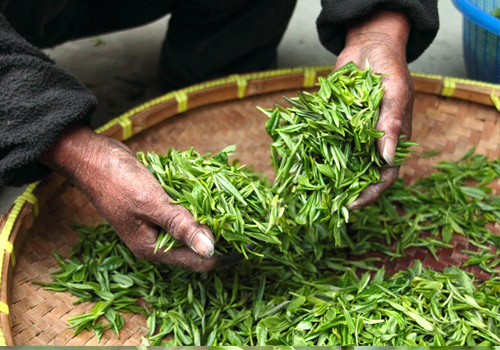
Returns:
point(121, 68)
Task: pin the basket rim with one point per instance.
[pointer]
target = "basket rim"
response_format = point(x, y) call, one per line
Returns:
point(177, 102)
point(448, 86)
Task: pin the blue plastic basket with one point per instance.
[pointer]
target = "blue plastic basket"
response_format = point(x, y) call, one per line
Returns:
point(481, 36)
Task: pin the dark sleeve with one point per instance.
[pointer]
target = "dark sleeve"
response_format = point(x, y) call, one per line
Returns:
point(37, 101)
point(335, 15)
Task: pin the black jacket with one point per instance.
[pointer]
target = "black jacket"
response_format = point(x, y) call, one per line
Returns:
point(38, 99)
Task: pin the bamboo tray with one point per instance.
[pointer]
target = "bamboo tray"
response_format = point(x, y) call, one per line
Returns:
point(450, 115)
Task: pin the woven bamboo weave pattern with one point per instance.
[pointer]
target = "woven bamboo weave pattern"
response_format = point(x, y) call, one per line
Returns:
point(40, 317)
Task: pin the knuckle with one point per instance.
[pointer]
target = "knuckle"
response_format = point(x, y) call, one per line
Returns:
point(203, 266)
point(139, 199)
point(195, 264)
point(178, 223)
point(201, 269)
point(142, 253)
point(372, 197)
point(141, 247)
point(392, 179)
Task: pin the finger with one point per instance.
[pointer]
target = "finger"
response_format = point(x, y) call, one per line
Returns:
point(143, 245)
point(395, 115)
point(373, 192)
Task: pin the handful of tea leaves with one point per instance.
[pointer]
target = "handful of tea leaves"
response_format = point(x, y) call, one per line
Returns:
point(237, 205)
point(324, 146)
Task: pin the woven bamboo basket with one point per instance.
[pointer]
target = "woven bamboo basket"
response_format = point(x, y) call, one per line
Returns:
point(450, 115)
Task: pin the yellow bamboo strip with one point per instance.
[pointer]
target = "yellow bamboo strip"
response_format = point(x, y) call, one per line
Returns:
point(28, 197)
point(475, 83)
point(5, 245)
point(182, 100)
point(495, 99)
point(126, 125)
point(4, 308)
point(456, 80)
point(449, 87)
point(425, 75)
point(309, 77)
point(242, 84)
point(19, 202)
point(274, 73)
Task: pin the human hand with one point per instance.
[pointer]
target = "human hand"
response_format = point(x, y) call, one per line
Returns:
point(381, 40)
point(129, 197)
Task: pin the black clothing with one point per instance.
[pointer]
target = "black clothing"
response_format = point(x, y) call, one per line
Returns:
point(233, 40)
point(333, 19)
point(37, 101)
point(206, 39)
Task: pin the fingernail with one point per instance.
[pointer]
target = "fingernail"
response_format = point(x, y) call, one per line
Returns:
point(389, 150)
point(203, 245)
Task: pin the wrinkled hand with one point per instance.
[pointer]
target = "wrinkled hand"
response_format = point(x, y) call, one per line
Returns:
point(381, 39)
point(129, 197)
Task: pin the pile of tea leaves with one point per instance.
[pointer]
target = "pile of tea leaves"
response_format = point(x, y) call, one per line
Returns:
point(237, 204)
point(324, 148)
point(310, 292)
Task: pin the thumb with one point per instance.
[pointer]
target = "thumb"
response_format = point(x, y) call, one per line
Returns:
point(143, 244)
point(395, 113)
point(179, 222)
point(153, 205)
